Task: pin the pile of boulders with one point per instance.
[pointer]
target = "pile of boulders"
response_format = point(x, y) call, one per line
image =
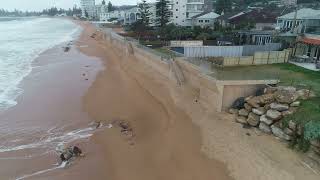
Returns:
point(266, 110)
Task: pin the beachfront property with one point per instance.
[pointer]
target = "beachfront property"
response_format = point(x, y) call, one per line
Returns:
point(183, 13)
point(289, 2)
point(88, 8)
point(102, 12)
point(184, 10)
point(298, 21)
point(206, 19)
point(261, 19)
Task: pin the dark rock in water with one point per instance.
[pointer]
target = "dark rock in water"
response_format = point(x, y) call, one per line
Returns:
point(66, 155)
point(239, 103)
point(318, 65)
point(66, 49)
point(70, 152)
point(76, 151)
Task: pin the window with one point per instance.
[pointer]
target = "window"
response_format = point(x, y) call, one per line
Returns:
point(177, 2)
point(176, 9)
point(206, 21)
point(200, 21)
point(177, 17)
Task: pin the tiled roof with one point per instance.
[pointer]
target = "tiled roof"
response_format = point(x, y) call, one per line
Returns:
point(310, 41)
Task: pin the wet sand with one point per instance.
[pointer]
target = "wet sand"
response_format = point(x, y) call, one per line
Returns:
point(50, 107)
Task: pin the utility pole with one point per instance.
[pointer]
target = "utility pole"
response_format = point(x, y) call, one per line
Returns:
point(295, 19)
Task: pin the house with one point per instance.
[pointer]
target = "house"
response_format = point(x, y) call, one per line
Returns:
point(183, 13)
point(224, 19)
point(131, 15)
point(296, 21)
point(206, 19)
point(259, 19)
point(255, 37)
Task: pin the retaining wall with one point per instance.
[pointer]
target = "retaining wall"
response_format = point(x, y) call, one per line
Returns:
point(210, 92)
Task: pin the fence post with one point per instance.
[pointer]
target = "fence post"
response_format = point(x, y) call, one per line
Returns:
point(285, 56)
point(253, 59)
point(268, 58)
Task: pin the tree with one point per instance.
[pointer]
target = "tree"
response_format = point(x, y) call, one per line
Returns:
point(103, 2)
point(162, 13)
point(110, 7)
point(145, 13)
point(223, 6)
point(86, 13)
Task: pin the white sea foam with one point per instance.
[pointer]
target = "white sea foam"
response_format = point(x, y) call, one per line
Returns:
point(21, 41)
point(61, 166)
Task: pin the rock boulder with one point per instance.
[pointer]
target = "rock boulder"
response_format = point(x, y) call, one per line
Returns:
point(264, 128)
point(265, 120)
point(243, 112)
point(253, 119)
point(273, 115)
point(259, 111)
point(279, 107)
point(278, 132)
point(286, 97)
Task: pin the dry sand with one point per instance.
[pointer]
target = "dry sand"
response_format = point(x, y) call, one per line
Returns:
point(174, 136)
point(166, 144)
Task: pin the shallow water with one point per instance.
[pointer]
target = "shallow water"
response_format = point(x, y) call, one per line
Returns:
point(41, 90)
point(21, 41)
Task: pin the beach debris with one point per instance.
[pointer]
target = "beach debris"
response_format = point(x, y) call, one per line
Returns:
point(70, 152)
point(126, 129)
point(84, 74)
point(93, 35)
point(67, 49)
point(87, 79)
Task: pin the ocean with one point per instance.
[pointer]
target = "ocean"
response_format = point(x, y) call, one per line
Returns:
point(21, 41)
point(34, 129)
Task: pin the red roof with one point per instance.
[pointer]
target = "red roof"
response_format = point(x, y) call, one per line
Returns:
point(310, 41)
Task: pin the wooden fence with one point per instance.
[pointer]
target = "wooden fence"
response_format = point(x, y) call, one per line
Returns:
point(259, 58)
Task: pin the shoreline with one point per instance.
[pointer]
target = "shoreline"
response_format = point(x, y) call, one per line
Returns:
point(49, 112)
point(173, 136)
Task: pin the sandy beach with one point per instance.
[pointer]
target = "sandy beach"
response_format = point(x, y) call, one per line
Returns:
point(171, 137)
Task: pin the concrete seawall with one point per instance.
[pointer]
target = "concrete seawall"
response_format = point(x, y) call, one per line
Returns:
point(210, 92)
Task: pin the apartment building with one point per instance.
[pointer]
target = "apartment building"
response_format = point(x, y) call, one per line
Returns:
point(289, 2)
point(89, 7)
point(184, 10)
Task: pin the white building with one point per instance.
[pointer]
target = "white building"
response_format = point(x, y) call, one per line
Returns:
point(88, 6)
point(184, 10)
point(289, 2)
point(103, 12)
point(206, 19)
point(182, 14)
point(288, 22)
